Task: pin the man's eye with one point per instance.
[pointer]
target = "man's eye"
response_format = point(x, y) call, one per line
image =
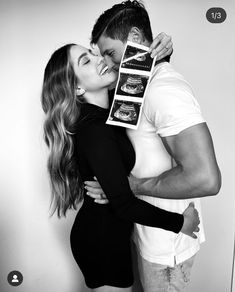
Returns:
point(110, 53)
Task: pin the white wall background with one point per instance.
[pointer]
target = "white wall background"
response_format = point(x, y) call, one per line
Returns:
point(30, 31)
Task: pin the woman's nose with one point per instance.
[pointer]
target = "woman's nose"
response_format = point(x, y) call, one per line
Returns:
point(101, 60)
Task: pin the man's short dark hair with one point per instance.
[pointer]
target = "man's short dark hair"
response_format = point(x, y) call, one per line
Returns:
point(117, 22)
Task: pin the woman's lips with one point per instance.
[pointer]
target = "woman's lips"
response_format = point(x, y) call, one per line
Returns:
point(103, 69)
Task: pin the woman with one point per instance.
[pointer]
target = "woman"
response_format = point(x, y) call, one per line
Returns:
point(75, 100)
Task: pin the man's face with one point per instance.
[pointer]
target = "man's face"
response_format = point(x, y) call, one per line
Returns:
point(112, 51)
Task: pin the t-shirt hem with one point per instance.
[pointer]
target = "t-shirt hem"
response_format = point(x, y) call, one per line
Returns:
point(171, 259)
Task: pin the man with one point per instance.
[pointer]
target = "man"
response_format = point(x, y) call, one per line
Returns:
point(173, 148)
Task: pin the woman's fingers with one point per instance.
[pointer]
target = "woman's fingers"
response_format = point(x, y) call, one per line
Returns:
point(92, 183)
point(96, 196)
point(102, 202)
point(94, 190)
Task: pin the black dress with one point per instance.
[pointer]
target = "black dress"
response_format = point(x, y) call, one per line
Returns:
point(100, 236)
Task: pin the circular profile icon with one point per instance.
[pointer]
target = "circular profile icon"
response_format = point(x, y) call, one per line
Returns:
point(15, 278)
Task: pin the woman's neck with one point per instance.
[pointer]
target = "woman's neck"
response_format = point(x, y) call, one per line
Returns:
point(100, 98)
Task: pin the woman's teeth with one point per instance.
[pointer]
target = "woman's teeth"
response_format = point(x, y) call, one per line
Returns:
point(104, 70)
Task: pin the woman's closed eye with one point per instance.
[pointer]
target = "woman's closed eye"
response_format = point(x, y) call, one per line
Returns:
point(85, 60)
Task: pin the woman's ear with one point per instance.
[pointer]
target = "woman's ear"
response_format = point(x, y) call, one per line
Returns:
point(135, 35)
point(80, 91)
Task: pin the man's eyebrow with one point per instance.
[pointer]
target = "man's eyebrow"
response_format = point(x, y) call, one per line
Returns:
point(83, 55)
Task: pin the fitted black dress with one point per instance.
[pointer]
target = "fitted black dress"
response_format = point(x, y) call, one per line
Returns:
point(100, 236)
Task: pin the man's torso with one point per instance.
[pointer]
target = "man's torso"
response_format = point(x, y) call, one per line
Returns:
point(167, 89)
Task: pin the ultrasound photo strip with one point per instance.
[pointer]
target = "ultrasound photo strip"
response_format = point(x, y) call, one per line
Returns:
point(126, 112)
point(136, 58)
point(132, 85)
point(133, 79)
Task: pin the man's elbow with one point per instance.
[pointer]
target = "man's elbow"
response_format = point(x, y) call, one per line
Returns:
point(211, 183)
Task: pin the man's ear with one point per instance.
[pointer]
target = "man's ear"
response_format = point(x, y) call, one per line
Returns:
point(135, 35)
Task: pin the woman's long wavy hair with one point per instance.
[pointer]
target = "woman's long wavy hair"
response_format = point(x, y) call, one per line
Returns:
point(61, 106)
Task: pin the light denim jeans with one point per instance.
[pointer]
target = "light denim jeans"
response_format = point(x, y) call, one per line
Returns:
point(160, 278)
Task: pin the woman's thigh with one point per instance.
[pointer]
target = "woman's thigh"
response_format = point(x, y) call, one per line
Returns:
point(100, 243)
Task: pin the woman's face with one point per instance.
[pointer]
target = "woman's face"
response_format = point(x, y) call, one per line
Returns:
point(90, 69)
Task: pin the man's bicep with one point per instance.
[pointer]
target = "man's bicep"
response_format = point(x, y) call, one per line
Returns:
point(192, 148)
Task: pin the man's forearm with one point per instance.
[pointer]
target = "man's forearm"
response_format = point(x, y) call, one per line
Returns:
point(175, 184)
point(196, 173)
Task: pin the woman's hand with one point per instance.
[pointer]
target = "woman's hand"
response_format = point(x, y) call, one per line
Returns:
point(95, 191)
point(191, 221)
point(161, 46)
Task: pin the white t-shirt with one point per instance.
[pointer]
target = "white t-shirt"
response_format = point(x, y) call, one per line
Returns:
point(169, 108)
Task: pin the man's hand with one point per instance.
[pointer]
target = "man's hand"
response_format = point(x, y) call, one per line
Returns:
point(95, 191)
point(161, 46)
point(191, 221)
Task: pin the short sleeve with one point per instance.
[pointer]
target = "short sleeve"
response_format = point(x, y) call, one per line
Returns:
point(172, 108)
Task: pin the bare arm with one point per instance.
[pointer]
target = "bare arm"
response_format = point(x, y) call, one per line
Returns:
point(196, 174)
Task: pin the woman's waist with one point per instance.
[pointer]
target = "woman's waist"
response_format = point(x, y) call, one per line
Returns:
point(101, 213)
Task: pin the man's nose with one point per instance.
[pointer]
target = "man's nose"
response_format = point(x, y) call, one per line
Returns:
point(109, 63)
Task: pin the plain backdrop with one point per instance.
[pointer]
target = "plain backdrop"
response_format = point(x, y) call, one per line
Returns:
point(30, 31)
